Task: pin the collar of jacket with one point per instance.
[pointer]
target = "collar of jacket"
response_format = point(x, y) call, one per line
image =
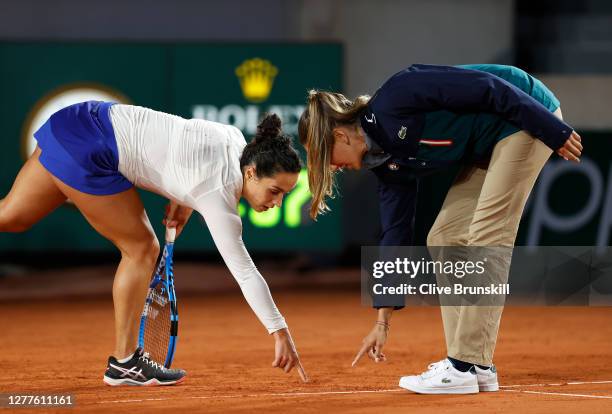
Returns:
point(395, 133)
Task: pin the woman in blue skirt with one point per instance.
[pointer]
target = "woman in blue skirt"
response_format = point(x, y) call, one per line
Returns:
point(96, 153)
point(500, 124)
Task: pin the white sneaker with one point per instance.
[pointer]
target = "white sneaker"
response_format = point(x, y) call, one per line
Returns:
point(487, 379)
point(442, 378)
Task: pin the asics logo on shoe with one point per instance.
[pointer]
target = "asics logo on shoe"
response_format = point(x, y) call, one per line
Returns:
point(131, 373)
point(446, 381)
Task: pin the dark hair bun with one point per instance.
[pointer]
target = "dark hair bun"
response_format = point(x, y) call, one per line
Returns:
point(270, 151)
point(269, 127)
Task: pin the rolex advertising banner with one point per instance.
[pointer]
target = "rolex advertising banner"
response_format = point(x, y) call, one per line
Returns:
point(228, 83)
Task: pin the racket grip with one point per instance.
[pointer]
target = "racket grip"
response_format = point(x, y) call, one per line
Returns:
point(170, 234)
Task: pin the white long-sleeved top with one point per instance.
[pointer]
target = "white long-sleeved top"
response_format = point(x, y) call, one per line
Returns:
point(195, 163)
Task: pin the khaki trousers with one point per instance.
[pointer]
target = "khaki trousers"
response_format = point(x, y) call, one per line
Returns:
point(484, 208)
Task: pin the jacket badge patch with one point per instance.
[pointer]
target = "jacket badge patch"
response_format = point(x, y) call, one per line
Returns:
point(436, 142)
point(402, 132)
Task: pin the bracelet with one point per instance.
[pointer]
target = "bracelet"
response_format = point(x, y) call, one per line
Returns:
point(383, 323)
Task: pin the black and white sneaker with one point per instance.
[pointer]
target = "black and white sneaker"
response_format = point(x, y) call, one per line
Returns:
point(140, 370)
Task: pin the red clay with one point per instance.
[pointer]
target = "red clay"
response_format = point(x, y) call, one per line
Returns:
point(56, 347)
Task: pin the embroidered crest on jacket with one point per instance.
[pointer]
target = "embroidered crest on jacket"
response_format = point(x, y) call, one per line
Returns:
point(402, 132)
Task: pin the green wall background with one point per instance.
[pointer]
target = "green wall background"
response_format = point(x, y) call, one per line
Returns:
point(172, 78)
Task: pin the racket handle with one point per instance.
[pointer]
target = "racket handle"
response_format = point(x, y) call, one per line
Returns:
point(170, 234)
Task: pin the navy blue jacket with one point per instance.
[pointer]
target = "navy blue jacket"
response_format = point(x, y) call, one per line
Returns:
point(395, 119)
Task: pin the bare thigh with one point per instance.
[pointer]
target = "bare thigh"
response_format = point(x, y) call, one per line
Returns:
point(121, 218)
point(33, 195)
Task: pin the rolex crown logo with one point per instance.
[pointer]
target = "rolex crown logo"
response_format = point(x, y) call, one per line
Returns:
point(256, 78)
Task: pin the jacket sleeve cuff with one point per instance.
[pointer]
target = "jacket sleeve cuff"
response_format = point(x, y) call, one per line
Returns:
point(555, 134)
point(394, 307)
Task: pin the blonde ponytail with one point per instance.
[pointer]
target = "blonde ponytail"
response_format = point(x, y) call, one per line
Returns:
point(324, 112)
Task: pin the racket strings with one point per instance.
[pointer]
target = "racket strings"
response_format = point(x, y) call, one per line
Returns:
point(157, 328)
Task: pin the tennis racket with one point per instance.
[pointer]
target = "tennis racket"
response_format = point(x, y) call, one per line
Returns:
point(159, 320)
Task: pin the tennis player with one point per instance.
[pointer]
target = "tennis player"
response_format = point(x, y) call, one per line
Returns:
point(98, 153)
point(500, 123)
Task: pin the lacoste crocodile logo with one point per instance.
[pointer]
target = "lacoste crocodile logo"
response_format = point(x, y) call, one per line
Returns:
point(402, 132)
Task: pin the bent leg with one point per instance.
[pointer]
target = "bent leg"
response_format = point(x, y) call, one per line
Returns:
point(33, 195)
point(122, 219)
point(515, 166)
point(451, 228)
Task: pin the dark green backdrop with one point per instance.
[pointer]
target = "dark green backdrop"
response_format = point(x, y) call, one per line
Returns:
point(174, 78)
point(579, 199)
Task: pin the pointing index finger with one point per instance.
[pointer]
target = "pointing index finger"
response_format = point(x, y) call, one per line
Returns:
point(360, 354)
point(301, 371)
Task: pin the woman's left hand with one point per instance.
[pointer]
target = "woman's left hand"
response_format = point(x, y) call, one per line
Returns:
point(285, 354)
point(176, 216)
point(572, 149)
point(372, 345)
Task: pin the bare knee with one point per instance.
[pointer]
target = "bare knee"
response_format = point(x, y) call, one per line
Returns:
point(145, 253)
point(11, 222)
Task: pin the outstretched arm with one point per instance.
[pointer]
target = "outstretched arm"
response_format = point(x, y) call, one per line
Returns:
point(226, 229)
point(430, 88)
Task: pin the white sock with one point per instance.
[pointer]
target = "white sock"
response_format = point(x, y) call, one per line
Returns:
point(126, 359)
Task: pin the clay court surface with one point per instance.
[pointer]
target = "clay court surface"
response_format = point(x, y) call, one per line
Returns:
point(549, 359)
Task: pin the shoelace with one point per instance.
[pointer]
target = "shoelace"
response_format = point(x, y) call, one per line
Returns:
point(435, 368)
point(147, 360)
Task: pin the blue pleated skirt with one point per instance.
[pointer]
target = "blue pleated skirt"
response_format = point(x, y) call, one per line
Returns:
point(79, 148)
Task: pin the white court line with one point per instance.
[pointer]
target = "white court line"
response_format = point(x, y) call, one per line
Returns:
point(301, 394)
point(280, 394)
point(589, 382)
point(557, 384)
point(562, 394)
point(533, 385)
